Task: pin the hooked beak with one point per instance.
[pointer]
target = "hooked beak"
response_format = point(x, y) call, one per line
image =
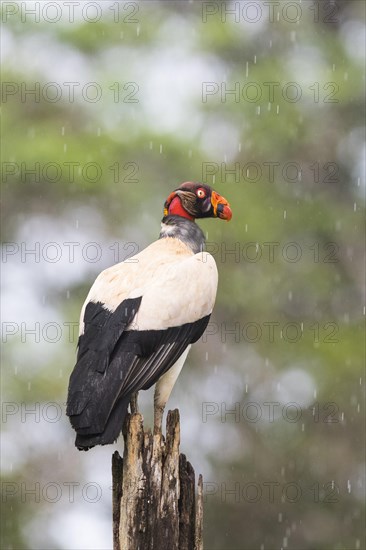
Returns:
point(221, 207)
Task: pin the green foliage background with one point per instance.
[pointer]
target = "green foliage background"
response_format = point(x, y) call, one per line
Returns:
point(170, 134)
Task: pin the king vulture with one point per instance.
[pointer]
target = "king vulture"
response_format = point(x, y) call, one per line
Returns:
point(140, 318)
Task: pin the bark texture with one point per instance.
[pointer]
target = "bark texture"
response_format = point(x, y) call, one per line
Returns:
point(154, 502)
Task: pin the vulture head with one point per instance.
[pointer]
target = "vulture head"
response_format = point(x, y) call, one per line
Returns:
point(195, 200)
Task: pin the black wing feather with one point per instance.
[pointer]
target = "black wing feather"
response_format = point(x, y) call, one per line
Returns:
point(113, 363)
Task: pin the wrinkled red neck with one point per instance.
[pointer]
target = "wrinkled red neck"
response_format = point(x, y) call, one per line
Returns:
point(176, 209)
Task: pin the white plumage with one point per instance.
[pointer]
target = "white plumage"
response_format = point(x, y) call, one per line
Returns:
point(158, 274)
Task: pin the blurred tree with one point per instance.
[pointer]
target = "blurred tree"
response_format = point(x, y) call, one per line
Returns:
point(266, 106)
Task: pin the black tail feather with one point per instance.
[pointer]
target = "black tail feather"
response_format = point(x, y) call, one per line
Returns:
point(112, 429)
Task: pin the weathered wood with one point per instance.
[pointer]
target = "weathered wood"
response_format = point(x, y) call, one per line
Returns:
point(199, 515)
point(117, 472)
point(154, 504)
point(187, 505)
point(169, 516)
point(132, 517)
point(156, 469)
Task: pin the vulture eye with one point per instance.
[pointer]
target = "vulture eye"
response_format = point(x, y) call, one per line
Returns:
point(201, 194)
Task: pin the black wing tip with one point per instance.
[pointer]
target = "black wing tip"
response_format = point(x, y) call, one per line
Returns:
point(110, 432)
point(84, 443)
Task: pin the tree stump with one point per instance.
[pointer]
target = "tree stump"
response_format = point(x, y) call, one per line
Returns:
point(154, 501)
